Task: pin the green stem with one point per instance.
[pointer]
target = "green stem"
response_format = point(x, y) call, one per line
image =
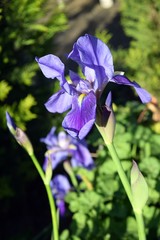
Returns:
point(50, 197)
point(140, 226)
point(126, 185)
point(38, 167)
point(53, 212)
point(120, 171)
point(69, 170)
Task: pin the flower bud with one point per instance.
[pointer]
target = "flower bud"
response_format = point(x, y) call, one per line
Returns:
point(139, 189)
point(105, 121)
point(19, 135)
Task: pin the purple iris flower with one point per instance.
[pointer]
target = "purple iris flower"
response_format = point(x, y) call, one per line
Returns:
point(63, 147)
point(60, 187)
point(82, 95)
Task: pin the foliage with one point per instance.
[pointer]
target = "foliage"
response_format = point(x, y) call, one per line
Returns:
point(103, 211)
point(24, 27)
point(5, 89)
point(104, 35)
point(141, 23)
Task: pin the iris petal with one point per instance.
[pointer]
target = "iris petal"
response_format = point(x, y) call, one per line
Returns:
point(60, 186)
point(75, 78)
point(81, 118)
point(142, 93)
point(59, 102)
point(96, 56)
point(52, 67)
point(50, 139)
point(108, 101)
point(82, 157)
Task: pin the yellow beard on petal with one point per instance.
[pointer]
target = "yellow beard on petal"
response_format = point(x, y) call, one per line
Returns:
point(80, 98)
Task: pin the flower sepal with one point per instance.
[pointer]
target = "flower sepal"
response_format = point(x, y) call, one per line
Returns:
point(105, 121)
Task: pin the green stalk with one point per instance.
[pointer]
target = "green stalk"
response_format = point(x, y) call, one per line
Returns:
point(120, 171)
point(50, 197)
point(69, 170)
point(38, 167)
point(140, 226)
point(126, 185)
point(53, 212)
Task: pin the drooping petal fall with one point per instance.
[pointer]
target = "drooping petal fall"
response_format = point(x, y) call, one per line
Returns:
point(59, 102)
point(142, 93)
point(79, 121)
point(82, 157)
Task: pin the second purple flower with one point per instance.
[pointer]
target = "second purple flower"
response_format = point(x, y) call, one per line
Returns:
point(63, 147)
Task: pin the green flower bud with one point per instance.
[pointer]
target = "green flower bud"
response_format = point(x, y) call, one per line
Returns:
point(19, 135)
point(139, 189)
point(23, 140)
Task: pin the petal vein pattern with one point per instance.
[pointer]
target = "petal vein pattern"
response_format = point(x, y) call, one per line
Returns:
point(81, 118)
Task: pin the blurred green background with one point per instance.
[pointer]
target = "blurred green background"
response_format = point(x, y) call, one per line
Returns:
point(35, 28)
